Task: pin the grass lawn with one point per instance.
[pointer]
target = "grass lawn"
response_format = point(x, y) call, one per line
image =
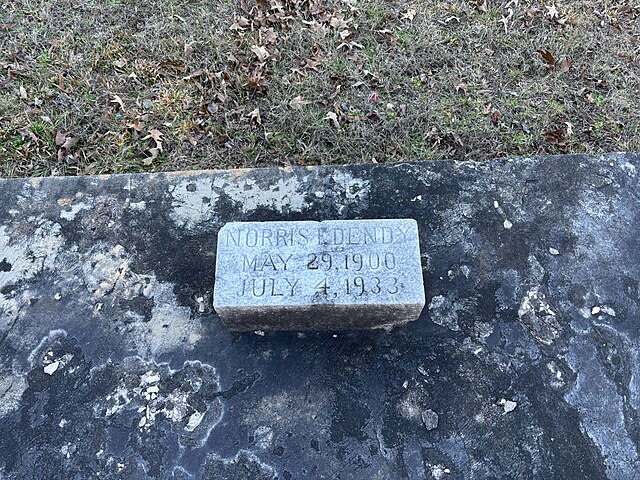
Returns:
point(113, 86)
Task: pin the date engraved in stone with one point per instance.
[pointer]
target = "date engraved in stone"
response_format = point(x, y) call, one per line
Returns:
point(318, 275)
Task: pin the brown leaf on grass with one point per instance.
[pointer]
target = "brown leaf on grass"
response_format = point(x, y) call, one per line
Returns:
point(563, 66)
point(462, 87)
point(25, 132)
point(333, 117)
point(311, 64)
point(137, 126)
point(486, 110)
point(255, 81)
point(298, 102)
point(554, 137)
point(457, 139)
point(117, 100)
point(495, 117)
point(154, 154)
point(240, 24)
point(60, 139)
point(481, 5)
point(156, 135)
point(548, 57)
point(269, 36)
point(336, 92)
point(254, 115)
point(408, 15)
point(261, 52)
point(350, 45)
point(339, 23)
point(196, 74)
point(70, 142)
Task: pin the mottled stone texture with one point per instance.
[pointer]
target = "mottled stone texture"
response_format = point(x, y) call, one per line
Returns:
point(330, 275)
point(524, 363)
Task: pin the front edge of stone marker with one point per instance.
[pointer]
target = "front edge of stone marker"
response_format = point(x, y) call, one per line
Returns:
point(307, 275)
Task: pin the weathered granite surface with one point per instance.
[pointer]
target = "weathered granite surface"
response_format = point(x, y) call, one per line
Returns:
point(306, 275)
point(524, 364)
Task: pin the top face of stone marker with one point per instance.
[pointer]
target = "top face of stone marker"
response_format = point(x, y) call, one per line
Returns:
point(301, 275)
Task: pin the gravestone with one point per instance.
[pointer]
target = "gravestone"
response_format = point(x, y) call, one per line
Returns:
point(524, 362)
point(331, 275)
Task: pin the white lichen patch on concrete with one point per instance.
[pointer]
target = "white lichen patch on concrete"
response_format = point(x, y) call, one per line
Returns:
point(109, 277)
point(107, 271)
point(193, 202)
point(601, 410)
point(72, 210)
point(354, 188)
point(170, 327)
point(28, 257)
point(155, 396)
point(263, 436)
point(538, 316)
point(12, 386)
point(53, 364)
point(438, 471)
point(284, 410)
point(507, 405)
point(244, 457)
point(443, 312)
point(287, 194)
point(137, 206)
point(409, 406)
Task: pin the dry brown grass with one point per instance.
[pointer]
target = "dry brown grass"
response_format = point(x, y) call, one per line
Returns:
point(121, 86)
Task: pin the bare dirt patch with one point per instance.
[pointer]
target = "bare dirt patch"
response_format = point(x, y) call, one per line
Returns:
point(115, 86)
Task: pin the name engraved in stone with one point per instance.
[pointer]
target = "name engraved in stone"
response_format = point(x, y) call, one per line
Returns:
point(318, 275)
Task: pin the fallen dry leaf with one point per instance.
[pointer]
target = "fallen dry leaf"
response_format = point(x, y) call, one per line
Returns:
point(254, 115)
point(117, 100)
point(240, 24)
point(563, 66)
point(336, 92)
point(155, 134)
point(506, 19)
point(70, 142)
point(261, 52)
point(350, 45)
point(298, 102)
point(548, 57)
point(333, 117)
point(555, 137)
point(462, 87)
point(408, 15)
point(569, 128)
point(552, 11)
point(154, 154)
point(23, 93)
point(338, 23)
point(60, 139)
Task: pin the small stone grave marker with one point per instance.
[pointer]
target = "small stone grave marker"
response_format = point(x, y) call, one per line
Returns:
point(330, 275)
